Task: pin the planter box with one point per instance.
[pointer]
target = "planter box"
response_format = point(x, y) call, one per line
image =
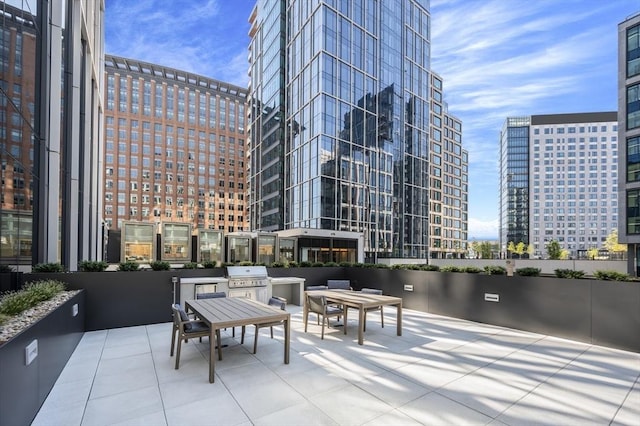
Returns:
point(23, 388)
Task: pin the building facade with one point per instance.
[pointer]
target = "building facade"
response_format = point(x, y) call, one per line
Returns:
point(559, 181)
point(174, 148)
point(340, 125)
point(50, 132)
point(629, 135)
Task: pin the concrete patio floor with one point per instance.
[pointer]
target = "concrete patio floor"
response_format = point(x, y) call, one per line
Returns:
point(440, 371)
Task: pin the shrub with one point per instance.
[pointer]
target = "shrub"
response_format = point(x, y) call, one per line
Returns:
point(190, 265)
point(92, 265)
point(317, 264)
point(398, 266)
point(6, 268)
point(569, 273)
point(305, 264)
point(346, 264)
point(528, 272)
point(29, 296)
point(209, 264)
point(358, 265)
point(245, 263)
point(48, 267)
point(160, 265)
point(3, 318)
point(293, 264)
point(368, 265)
point(331, 264)
point(494, 270)
point(473, 270)
point(430, 267)
point(381, 266)
point(611, 276)
point(128, 266)
point(450, 268)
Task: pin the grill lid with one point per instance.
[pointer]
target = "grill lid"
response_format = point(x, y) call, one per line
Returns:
point(247, 271)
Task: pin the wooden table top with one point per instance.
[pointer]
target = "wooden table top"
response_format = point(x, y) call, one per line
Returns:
point(235, 311)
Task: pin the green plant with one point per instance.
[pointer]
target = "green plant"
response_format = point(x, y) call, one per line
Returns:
point(92, 265)
point(30, 295)
point(293, 264)
point(430, 268)
point(277, 265)
point(569, 273)
point(611, 276)
point(473, 270)
point(494, 270)
point(209, 264)
point(450, 268)
point(48, 267)
point(528, 272)
point(346, 264)
point(317, 264)
point(160, 265)
point(6, 268)
point(381, 266)
point(128, 266)
point(331, 264)
point(358, 265)
point(245, 263)
point(305, 264)
point(3, 318)
point(190, 265)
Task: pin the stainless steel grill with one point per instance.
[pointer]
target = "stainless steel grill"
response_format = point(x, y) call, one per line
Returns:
point(247, 276)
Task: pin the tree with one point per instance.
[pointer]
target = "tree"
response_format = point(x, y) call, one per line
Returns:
point(554, 251)
point(611, 243)
point(592, 253)
point(486, 251)
point(518, 249)
point(530, 250)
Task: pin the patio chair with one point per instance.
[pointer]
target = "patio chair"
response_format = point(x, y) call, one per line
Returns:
point(372, 291)
point(316, 287)
point(281, 303)
point(339, 285)
point(319, 306)
point(213, 295)
point(186, 329)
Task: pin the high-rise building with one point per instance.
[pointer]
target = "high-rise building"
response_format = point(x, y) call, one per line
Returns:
point(629, 135)
point(174, 147)
point(558, 180)
point(50, 132)
point(341, 135)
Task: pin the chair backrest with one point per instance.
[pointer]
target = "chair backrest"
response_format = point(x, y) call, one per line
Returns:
point(339, 284)
point(278, 301)
point(180, 315)
point(214, 295)
point(371, 291)
point(317, 287)
point(317, 303)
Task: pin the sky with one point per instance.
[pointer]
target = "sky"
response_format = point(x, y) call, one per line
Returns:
point(498, 59)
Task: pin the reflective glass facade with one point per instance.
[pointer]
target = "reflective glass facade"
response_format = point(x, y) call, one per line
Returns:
point(50, 134)
point(340, 122)
point(514, 182)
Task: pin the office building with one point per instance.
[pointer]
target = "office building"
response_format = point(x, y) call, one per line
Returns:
point(558, 180)
point(174, 148)
point(629, 135)
point(50, 132)
point(340, 131)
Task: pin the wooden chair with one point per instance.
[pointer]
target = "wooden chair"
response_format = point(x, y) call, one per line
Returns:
point(319, 306)
point(372, 291)
point(339, 285)
point(281, 303)
point(186, 329)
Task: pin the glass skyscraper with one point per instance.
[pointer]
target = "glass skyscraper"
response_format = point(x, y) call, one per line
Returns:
point(340, 123)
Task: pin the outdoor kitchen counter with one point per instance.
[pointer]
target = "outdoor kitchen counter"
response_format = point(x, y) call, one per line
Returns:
point(236, 312)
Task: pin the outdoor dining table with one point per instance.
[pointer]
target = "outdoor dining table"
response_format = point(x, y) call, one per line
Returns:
point(360, 301)
point(236, 312)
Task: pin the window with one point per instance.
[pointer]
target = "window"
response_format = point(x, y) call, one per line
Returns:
point(633, 51)
point(633, 211)
point(633, 106)
point(633, 159)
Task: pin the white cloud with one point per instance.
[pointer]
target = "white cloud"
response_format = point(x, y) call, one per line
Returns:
point(483, 229)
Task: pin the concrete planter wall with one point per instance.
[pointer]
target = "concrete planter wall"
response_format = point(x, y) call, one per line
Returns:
point(23, 388)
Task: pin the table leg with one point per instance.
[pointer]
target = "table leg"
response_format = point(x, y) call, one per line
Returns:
point(287, 340)
point(212, 355)
point(345, 309)
point(399, 319)
point(361, 325)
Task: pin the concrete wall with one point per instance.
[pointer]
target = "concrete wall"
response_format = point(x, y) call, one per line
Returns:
point(546, 266)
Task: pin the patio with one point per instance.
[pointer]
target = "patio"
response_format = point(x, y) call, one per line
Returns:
point(440, 371)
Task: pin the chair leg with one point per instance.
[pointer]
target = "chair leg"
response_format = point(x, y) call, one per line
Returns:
point(173, 339)
point(322, 334)
point(255, 340)
point(242, 336)
point(178, 354)
point(271, 332)
point(381, 317)
point(364, 323)
point(219, 346)
point(306, 320)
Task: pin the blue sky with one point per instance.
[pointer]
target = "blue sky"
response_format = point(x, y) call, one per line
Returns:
point(498, 58)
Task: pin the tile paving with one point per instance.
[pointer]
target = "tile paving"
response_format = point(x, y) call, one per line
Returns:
point(441, 371)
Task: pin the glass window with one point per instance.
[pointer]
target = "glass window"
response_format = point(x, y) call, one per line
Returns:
point(633, 211)
point(633, 159)
point(633, 106)
point(633, 51)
